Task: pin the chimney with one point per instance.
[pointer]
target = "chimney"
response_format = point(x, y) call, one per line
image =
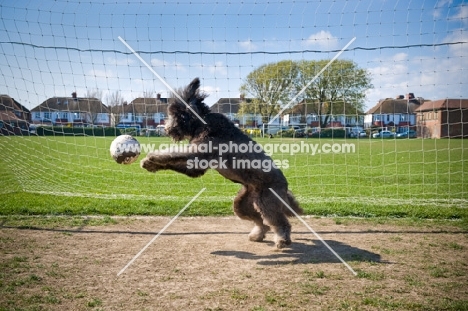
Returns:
point(158, 96)
point(410, 96)
point(400, 97)
point(74, 95)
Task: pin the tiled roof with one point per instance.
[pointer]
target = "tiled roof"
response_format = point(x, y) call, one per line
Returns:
point(228, 105)
point(72, 104)
point(8, 103)
point(8, 115)
point(148, 105)
point(448, 103)
point(392, 106)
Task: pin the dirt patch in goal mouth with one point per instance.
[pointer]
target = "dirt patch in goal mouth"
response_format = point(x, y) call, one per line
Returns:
point(208, 263)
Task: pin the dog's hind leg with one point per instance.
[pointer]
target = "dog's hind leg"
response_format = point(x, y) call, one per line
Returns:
point(244, 209)
point(273, 214)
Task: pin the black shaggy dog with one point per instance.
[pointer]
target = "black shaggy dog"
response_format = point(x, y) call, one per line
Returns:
point(223, 146)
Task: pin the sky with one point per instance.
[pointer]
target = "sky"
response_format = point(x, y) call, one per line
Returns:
point(54, 48)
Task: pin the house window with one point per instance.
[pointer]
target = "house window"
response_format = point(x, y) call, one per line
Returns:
point(404, 117)
point(76, 116)
point(64, 115)
point(47, 116)
point(37, 115)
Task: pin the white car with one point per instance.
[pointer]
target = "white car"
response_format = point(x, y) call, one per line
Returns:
point(384, 134)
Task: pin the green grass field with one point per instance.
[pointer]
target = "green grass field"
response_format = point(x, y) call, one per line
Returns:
point(382, 178)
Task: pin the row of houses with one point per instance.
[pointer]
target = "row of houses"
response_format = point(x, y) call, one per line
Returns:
point(431, 119)
point(76, 111)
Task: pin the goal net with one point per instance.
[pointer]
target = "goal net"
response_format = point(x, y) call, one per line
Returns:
point(364, 104)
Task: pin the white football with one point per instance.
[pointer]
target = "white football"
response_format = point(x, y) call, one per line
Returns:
point(125, 149)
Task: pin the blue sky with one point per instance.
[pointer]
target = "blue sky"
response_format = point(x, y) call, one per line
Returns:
point(52, 48)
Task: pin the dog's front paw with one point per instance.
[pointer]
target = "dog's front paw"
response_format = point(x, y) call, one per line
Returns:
point(149, 165)
point(282, 243)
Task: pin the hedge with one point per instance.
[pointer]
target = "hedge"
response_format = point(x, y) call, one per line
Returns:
point(330, 133)
point(77, 131)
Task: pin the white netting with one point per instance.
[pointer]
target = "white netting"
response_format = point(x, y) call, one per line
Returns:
point(51, 49)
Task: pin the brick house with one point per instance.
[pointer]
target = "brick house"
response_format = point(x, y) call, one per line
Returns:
point(14, 117)
point(443, 118)
point(71, 111)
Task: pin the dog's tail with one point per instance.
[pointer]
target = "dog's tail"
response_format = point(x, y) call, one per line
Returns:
point(293, 204)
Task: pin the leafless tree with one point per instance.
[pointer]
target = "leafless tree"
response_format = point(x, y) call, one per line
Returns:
point(93, 104)
point(116, 104)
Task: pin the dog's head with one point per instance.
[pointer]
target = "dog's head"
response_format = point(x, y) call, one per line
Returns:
point(183, 121)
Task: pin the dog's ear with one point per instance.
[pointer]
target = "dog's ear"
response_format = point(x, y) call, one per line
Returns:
point(195, 97)
point(192, 89)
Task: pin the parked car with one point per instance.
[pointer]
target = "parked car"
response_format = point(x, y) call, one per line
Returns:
point(407, 134)
point(32, 129)
point(384, 134)
point(358, 134)
point(274, 129)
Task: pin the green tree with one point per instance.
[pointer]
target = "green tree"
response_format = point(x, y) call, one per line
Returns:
point(340, 89)
point(271, 85)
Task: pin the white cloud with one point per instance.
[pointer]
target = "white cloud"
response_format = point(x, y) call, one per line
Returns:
point(248, 45)
point(217, 68)
point(322, 39)
point(210, 90)
point(458, 35)
point(390, 77)
point(400, 57)
point(462, 15)
point(167, 65)
point(439, 7)
point(434, 76)
point(101, 74)
point(120, 61)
